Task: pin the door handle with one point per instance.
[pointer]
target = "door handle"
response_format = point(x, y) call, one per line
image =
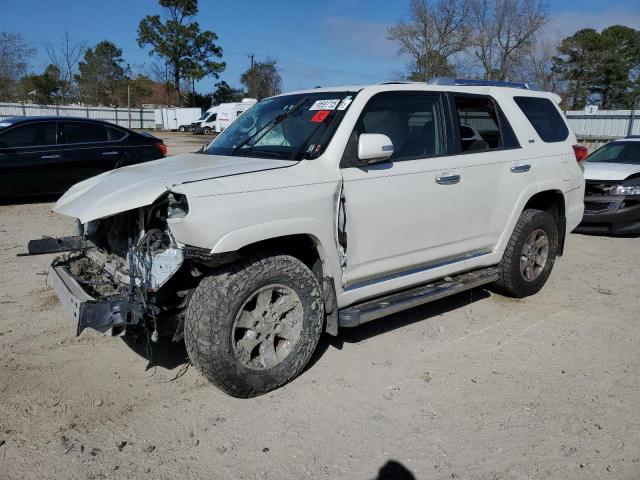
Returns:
point(521, 168)
point(50, 157)
point(447, 179)
point(109, 153)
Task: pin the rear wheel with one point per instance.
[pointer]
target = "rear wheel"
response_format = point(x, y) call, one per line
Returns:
point(253, 326)
point(530, 254)
point(182, 128)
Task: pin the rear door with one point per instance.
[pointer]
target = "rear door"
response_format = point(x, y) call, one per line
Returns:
point(493, 170)
point(88, 150)
point(30, 160)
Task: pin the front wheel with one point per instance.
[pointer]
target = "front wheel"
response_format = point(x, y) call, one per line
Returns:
point(207, 131)
point(252, 327)
point(530, 254)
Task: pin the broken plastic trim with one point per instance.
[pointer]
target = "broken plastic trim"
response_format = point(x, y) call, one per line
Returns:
point(56, 245)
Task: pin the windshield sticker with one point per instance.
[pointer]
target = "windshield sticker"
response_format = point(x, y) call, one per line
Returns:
point(325, 104)
point(320, 116)
point(345, 103)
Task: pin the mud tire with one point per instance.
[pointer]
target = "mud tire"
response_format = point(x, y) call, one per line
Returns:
point(512, 282)
point(212, 309)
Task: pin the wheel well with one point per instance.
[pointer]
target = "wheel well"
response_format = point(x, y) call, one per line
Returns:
point(551, 201)
point(306, 249)
point(303, 247)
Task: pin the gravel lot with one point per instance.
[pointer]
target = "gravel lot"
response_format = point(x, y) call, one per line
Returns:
point(475, 386)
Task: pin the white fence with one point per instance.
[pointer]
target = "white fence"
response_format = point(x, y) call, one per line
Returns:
point(140, 117)
point(604, 124)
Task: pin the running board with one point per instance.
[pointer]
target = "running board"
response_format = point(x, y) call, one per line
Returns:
point(396, 302)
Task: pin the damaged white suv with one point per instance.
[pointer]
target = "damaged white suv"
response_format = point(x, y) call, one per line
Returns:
point(317, 210)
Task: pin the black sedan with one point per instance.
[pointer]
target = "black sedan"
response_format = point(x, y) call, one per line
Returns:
point(46, 155)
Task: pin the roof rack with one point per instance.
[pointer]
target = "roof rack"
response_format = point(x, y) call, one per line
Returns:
point(396, 82)
point(475, 83)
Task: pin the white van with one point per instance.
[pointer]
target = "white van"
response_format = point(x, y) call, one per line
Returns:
point(217, 118)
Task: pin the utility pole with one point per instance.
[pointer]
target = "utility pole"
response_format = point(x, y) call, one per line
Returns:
point(251, 56)
point(633, 116)
point(128, 75)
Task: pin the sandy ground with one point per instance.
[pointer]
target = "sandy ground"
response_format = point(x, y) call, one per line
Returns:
point(475, 386)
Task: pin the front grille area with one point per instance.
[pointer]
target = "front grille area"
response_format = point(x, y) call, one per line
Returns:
point(598, 206)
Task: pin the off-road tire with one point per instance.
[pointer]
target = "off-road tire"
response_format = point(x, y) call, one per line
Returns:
point(213, 307)
point(512, 282)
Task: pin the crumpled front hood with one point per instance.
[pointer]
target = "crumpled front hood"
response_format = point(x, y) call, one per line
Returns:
point(609, 171)
point(139, 185)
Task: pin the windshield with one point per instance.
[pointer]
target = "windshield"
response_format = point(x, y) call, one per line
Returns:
point(289, 127)
point(203, 116)
point(617, 152)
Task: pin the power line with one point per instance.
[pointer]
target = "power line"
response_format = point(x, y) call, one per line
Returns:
point(320, 67)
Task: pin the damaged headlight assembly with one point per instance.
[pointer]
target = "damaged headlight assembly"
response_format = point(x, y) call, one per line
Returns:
point(626, 190)
point(177, 205)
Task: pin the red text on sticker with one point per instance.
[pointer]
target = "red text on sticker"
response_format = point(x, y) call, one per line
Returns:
point(320, 116)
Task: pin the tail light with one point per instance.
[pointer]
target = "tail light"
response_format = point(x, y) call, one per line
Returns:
point(163, 148)
point(580, 152)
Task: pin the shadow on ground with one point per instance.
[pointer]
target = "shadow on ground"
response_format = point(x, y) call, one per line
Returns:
point(166, 353)
point(396, 321)
point(393, 470)
point(170, 355)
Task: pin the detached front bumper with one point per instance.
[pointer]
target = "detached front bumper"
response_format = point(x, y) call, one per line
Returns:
point(108, 315)
point(614, 215)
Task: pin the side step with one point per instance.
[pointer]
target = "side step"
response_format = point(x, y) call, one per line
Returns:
point(396, 302)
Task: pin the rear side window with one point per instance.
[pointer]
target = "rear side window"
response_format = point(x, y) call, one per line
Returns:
point(544, 117)
point(482, 125)
point(30, 135)
point(115, 134)
point(79, 132)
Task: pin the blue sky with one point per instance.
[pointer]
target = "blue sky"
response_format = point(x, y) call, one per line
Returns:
point(323, 42)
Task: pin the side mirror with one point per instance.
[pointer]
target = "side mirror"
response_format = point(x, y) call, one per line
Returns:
point(374, 147)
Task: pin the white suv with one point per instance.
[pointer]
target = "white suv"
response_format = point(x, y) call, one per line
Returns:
point(321, 209)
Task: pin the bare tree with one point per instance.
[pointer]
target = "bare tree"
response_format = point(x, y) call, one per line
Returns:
point(65, 56)
point(159, 73)
point(262, 79)
point(436, 30)
point(503, 32)
point(539, 68)
point(15, 54)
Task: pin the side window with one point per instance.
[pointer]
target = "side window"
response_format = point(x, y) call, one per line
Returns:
point(544, 117)
point(80, 132)
point(115, 134)
point(30, 135)
point(212, 117)
point(482, 125)
point(412, 120)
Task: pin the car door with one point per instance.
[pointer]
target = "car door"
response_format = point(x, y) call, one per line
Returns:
point(87, 150)
point(493, 175)
point(30, 159)
point(404, 213)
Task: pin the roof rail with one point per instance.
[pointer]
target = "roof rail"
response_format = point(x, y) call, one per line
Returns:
point(396, 82)
point(475, 83)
